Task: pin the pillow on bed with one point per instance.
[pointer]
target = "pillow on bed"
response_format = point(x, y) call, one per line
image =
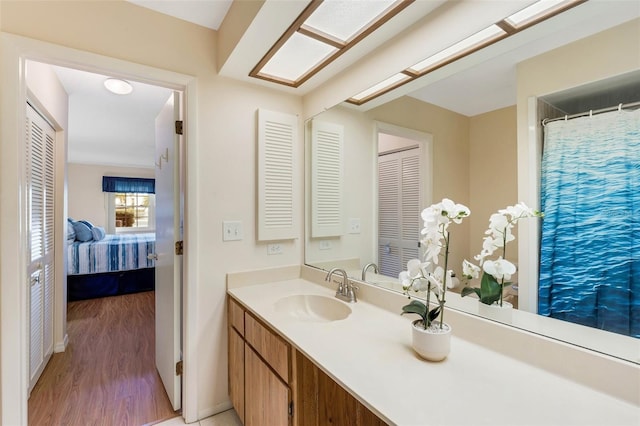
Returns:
point(83, 232)
point(71, 232)
point(98, 233)
point(86, 222)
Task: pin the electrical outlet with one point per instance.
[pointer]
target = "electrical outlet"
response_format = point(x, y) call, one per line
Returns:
point(232, 230)
point(354, 226)
point(325, 245)
point(275, 248)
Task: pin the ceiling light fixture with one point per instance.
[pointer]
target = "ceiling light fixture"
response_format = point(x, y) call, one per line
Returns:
point(513, 24)
point(323, 31)
point(117, 86)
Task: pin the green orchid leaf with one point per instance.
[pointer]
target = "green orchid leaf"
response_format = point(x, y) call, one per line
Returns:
point(489, 289)
point(415, 307)
point(468, 290)
point(434, 314)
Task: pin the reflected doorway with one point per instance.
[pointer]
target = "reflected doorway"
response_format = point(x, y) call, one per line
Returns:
point(403, 189)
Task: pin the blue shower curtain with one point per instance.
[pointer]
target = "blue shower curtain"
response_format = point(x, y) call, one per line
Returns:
point(590, 242)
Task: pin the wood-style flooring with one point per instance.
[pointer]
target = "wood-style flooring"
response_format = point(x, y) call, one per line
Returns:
point(107, 375)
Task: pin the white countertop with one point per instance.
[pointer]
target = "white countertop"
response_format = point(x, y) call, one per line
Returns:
point(370, 355)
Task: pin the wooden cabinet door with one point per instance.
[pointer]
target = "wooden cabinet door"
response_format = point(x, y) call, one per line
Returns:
point(320, 401)
point(335, 405)
point(236, 372)
point(267, 397)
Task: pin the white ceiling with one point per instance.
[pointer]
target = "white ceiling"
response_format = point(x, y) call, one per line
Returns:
point(107, 128)
point(110, 129)
point(207, 13)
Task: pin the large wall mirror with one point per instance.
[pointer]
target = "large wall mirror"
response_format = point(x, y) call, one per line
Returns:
point(472, 135)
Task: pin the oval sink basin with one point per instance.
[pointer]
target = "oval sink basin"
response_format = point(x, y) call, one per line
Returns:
point(311, 307)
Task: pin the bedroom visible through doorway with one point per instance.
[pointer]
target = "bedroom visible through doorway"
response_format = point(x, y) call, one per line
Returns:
point(115, 136)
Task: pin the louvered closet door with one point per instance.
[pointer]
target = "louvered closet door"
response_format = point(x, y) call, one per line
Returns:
point(40, 138)
point(399, 210)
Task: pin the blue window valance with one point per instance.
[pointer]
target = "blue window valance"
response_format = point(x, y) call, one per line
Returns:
point(128, 185)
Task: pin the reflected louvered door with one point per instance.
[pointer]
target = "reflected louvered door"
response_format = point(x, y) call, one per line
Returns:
point(277, 150)
point(399, 210)
point(326, 179)
point(40, 173)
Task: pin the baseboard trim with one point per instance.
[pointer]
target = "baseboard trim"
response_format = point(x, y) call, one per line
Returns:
point(216, 409)
point(61, 346)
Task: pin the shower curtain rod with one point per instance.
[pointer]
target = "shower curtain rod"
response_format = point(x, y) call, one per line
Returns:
point(593, 111)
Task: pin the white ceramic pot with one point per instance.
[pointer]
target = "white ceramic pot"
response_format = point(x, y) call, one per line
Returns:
point(432, 344)
point(496, 312)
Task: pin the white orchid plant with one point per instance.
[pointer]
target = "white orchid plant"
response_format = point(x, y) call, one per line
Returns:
point(496, 273)
point(428, 276)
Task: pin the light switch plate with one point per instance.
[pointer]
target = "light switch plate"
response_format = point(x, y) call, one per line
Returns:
point(232, 230)
point(354, 226)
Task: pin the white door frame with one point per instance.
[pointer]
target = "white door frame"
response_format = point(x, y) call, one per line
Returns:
point(15, 51)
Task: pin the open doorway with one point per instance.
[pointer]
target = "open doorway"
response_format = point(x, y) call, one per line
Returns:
point(404, 187)
point(112, 307)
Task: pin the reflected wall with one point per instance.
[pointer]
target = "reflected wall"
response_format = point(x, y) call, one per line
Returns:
point(492, 160)
point(474, 163)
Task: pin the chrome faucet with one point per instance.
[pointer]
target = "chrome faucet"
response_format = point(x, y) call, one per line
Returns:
point(346, 290)
point(367, 266)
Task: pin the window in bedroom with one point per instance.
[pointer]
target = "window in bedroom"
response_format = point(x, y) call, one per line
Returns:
point(130, 204)
point(133, 210)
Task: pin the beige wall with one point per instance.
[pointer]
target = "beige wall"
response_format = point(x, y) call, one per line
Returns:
point(86, 199)
point(450, 133)
point(223, 171)
point(493, 182)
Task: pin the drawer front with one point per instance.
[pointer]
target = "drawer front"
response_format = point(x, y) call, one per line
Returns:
point(236, 316)
point(270, 346)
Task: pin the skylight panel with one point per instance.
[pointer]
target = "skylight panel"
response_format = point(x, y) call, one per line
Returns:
point(459, 48)
point(296, 57)
point(324, 31)
point(536, 10)
point(344, 19)
point(383, 85)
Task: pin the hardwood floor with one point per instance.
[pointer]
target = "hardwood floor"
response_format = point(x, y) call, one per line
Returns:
point(107, 375)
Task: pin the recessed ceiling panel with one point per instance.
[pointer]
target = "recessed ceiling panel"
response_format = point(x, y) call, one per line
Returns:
point(345, 19)
point(296, 57)
point(534, 11)
point(389, 82)
point(470, 42)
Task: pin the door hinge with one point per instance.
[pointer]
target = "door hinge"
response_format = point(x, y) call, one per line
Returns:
point(179, 127)
point(291, 409)
point(179, 247)
point(179, 367)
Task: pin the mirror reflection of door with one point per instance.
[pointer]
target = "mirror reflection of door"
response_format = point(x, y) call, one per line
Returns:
point(399, 202)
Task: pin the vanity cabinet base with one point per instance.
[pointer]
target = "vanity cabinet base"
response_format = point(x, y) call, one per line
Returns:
point(320, 401)
point(271, 383)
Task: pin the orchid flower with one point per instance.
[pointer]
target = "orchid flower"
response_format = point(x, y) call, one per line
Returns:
point(497, 236)
point(435, 238)
point(499, 269)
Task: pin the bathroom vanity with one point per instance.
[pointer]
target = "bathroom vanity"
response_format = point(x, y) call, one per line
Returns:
point(270, 381)
point(298, 356)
